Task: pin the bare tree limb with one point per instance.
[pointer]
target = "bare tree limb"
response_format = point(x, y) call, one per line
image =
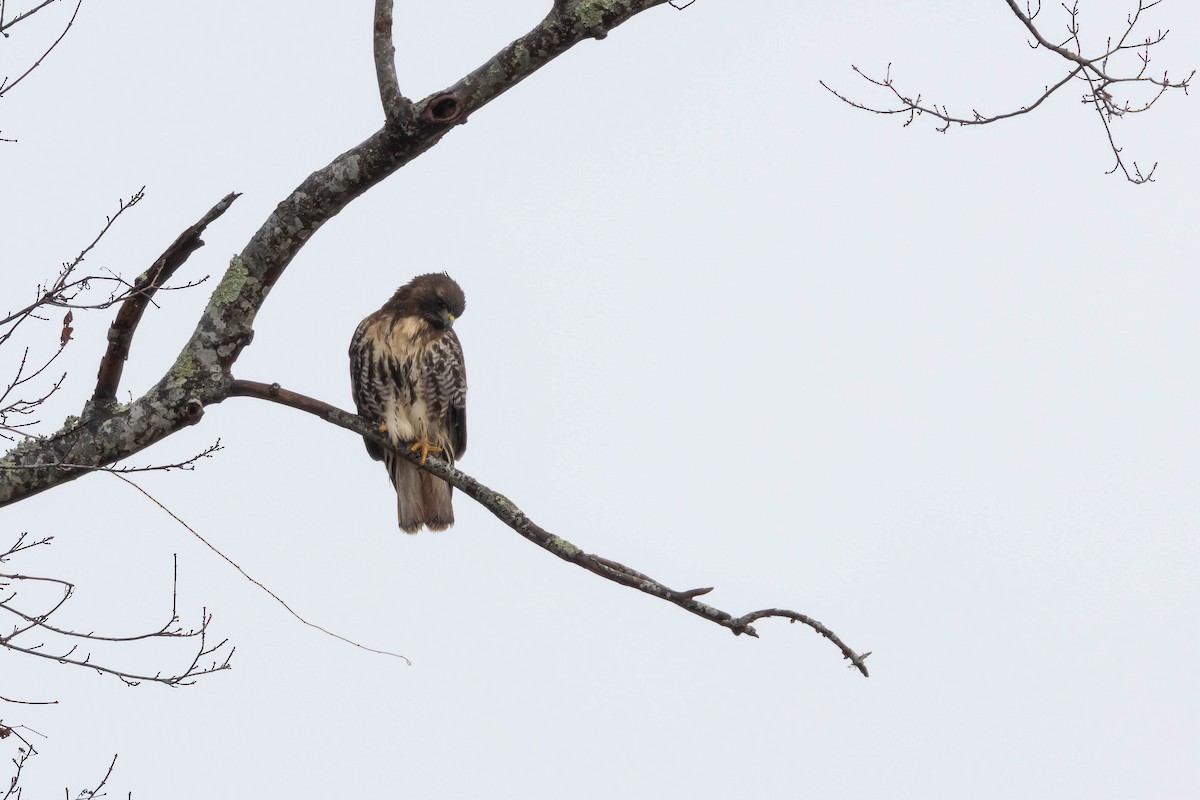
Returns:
point(5, 25)
point(913, 107)
point(512, 516)
point(23, 543)
point(5, 86)
point(182, 677)
point(396, 107)
point(28, 702)
point(120, 334)
point(25, 406)
point(25, 753)
point(1094, 71)
point(64, 290)
point(63, 645)
point(188, 464)
point(94, 792)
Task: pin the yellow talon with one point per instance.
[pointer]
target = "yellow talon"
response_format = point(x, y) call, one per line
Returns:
point(383, 428)
point(425, 447)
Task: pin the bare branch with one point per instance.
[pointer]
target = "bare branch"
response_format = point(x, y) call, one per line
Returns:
point(512, 516)
point(188, 464)
point(396, 107)
point(13, 791)
point(4, 86)
point(4, 26)
point(184, 677)
point(24, 406)
point(23, 543)
point(63, 291)
point(23, 755)
point(120, 334)
point(1095, 71)
point(91, 794)
point(69, 641)
point(914, 107)
point(28, 702)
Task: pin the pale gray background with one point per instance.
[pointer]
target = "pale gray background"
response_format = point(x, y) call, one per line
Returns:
point(939, 392)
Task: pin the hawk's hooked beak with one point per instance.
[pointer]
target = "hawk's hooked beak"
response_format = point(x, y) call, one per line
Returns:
point(449, 318)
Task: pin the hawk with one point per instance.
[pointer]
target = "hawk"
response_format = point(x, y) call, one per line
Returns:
point(406, 369)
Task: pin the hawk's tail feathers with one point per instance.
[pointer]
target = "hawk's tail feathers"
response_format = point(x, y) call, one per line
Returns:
point(421, 498)
point(435, 496)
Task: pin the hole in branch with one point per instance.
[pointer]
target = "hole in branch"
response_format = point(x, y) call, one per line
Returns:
point(443, 110)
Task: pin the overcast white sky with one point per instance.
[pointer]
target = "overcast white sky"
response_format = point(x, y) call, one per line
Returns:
point(937, 391)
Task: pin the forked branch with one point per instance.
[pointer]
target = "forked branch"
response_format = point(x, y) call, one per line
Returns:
point(1099, 75)
point(34, 633)
point(6, 23)
point(397, 108)
point(66, 288)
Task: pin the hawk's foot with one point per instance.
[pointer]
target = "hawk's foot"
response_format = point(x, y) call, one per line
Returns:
point(424, 447)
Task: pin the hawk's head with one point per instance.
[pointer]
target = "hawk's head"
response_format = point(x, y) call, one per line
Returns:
point(434, 298)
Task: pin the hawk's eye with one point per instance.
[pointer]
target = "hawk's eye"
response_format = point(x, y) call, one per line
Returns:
point(441, 304)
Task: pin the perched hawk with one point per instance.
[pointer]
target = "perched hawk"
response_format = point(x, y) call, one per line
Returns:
point(406, 367)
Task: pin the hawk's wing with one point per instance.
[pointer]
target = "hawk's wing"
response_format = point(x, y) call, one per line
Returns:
point(365, 381)
point(445, 385)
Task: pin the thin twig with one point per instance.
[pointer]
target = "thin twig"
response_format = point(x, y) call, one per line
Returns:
point(255, 581)
point(28, 702)
point(91, 794)
point(23, 15)
point(62, 291)
point(187, 464)
point(5, 87)
point(22, 544)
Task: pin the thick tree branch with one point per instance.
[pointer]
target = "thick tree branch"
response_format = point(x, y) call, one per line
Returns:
point(200, 375)
point(120, 333)
point(512, 516)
